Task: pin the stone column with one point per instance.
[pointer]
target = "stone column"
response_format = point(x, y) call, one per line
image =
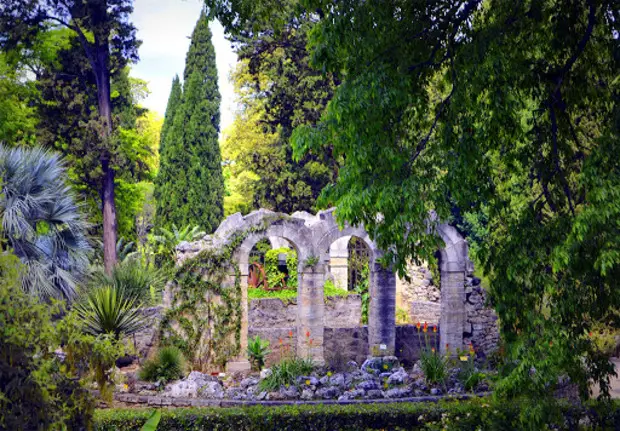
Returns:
point(241, 362)
point(382, 313)
point(452, 319)
point(339, 262)
point(310, 312)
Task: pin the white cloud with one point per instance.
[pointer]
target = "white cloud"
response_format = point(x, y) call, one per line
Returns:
point(164, 26)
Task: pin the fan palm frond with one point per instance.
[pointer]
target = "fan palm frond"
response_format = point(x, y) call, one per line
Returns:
point(42, 221)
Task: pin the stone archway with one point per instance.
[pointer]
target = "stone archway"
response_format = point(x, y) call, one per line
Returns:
point(312, 236)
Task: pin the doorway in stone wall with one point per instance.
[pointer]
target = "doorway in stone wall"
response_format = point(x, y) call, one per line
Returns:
point(359, 273)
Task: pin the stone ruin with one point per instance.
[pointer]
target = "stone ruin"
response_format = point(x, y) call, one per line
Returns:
point(459, 301)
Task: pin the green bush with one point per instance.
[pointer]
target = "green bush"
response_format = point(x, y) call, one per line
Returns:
point(285, 373)
point(169, 364)
point(37, 391)
point(462, 416)
point(143, 282)
point(258, 349)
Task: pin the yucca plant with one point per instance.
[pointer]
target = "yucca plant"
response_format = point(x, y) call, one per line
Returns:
point(42, 222)
point(136, 279)
point(109, 309)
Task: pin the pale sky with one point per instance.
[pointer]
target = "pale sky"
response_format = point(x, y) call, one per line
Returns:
point(164, 26)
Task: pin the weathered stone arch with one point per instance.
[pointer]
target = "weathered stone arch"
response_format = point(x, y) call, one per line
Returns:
point(312, 236)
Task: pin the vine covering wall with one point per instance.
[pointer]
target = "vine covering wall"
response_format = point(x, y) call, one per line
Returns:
point(204, 318)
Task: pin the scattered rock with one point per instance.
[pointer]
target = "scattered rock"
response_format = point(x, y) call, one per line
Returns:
point(337, 380)
point(328, 392)
point(435, 391)
point(398, 378)
point(289, 393)
point(212, 390)
point(261, 396)
point(397, 393)
point(368, 385)
point(374, 393)
point(307, 394)
point(265, 373)
point(250, 381)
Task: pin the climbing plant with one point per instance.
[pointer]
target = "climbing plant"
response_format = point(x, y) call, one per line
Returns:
point(277, 278)
point(204, 320)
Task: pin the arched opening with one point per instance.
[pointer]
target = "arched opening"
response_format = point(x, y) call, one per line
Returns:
point(272, 267)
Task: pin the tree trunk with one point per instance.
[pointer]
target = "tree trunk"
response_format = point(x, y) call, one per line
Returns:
point(109, 206)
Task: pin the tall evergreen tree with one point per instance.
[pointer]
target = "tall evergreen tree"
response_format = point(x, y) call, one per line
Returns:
point(191, 184)
point(174, 100)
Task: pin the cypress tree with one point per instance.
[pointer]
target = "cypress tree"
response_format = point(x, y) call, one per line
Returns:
point(165, 174)
point(174, 100)
point(192, 183)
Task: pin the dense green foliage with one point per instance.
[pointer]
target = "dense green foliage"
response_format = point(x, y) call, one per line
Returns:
point(42, 222)
point(36, 390)
point(167, 365)
point(464, 416)
point(285, 373)
point(277, 278)
point(277, 90)
point(190, 182)
point(503, 108)
point(145, 283)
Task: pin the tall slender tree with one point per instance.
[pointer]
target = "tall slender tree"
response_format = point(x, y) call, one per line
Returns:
point(174, 102)
point(191, 184)
point(108, 40)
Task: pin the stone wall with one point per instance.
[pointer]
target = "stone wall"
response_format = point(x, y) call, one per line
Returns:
point(481, 326)
point(146, 339)
point(417, 295)
point(340, 312)
point(424, 311)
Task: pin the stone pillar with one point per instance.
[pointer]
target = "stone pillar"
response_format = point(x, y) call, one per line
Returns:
point(339, 262)
point(452, 319)
point(382, 313)
point(241, 362)
point(310, 312)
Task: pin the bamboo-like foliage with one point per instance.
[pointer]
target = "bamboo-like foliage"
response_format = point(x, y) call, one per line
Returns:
point(42, 221)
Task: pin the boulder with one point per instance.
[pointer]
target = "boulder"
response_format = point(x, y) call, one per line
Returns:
point(337, 380)
point(368, 385)
point(289, 393)
point(212, 390)
point(398, 378)
point(307, 394)
point(308, 380)
point(397, 393)
point(328, 392)
point(374, 393)
point(250, 381)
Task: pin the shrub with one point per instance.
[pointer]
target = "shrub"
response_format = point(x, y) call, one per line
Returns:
point(145, 283)
point(36, 390)
point(468, 375)
point(463, 416)
point(285, 373)
point(169, 364)
point(108, 309)
point(434, 365)
point(258, 349)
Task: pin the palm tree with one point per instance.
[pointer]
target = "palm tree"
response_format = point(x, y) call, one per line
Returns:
point(169, 239)
point(41, 221)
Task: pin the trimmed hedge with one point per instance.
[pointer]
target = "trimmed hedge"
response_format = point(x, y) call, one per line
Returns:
point(469, 415)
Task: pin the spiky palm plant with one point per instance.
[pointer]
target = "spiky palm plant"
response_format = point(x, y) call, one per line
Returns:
point(136, 279)
point(42, 222)
point(169, 239)
point(109, 309)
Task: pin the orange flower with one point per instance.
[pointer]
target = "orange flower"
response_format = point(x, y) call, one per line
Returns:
point(290, 334)
point(311, 341)
point(433, 350)
point(307, 334)
point(550, 343)
point(590, 333)
point(417, 325)
point(434, 328)
point(280, 340)
point(447, 346)
point(425, 327)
